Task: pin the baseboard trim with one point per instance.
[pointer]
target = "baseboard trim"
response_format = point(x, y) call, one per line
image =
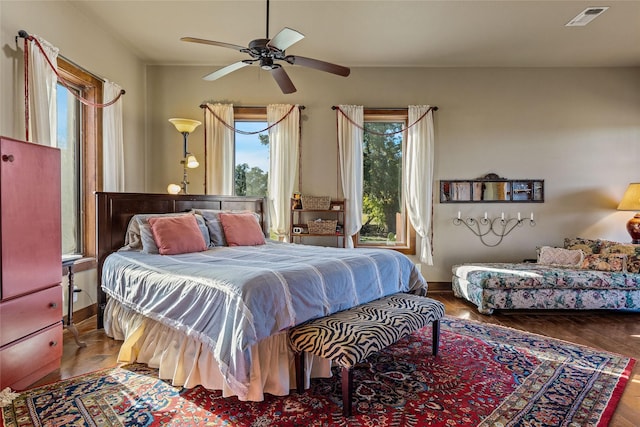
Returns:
point(83, 313)
point(439, 287)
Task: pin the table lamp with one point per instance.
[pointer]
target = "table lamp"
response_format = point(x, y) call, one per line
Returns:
point(631, 202)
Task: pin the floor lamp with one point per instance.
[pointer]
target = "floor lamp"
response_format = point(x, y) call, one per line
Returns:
point(189, 161)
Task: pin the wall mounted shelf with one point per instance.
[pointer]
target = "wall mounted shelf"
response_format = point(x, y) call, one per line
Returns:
point(492, 189)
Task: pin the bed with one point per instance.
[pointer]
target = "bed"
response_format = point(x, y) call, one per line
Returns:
point(219, 317)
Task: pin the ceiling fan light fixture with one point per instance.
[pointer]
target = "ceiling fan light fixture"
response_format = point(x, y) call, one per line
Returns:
point(267, 64)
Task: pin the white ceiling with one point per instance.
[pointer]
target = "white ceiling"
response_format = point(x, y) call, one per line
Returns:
point(371, 33)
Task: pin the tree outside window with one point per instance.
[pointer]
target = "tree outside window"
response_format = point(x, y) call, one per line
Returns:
point(384, 217)
point(251, 159)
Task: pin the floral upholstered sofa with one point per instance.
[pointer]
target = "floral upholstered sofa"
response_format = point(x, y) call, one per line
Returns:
point(585, 274)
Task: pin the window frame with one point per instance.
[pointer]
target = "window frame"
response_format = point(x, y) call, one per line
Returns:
point(393, 115)
point(91, 155)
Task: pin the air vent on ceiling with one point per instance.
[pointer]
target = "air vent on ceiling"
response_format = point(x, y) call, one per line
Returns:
point(586, 16)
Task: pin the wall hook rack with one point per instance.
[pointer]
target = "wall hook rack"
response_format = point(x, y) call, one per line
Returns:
point(499, 227)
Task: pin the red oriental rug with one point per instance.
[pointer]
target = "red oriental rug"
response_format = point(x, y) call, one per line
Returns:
point(485, 375)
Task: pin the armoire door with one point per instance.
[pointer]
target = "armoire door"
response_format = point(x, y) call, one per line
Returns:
point(30, 217)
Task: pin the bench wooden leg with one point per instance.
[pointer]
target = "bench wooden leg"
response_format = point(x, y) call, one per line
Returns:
point(299, 366)
point(435, 337)
point(347, 391)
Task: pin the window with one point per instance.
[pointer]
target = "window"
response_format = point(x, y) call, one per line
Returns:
point(251, 152)
point(79, 137)
point(68, 141)
point(384, 218)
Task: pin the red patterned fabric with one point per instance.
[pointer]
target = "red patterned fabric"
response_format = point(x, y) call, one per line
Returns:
point(484, 374)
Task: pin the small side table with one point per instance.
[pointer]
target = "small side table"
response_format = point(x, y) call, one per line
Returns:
point(68, 263)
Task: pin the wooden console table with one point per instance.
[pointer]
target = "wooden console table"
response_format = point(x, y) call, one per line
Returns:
point(68, 262)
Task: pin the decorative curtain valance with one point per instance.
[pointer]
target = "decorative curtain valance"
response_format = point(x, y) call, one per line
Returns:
point(284, 143)
point(112, 141)
point(218, 149)
point(230, 126)
point(284, 146)
point(350, 142)
point(417, 166)
point(361, 126)
point(42, 77)
point(418, 177)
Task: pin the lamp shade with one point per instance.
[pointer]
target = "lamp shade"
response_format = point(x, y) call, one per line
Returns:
point(631, 202)
point(173, 189)
point(192, 162)
point(185, 125)
point(631, 198)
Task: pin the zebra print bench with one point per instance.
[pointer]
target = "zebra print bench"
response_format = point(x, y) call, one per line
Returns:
point(350, 336)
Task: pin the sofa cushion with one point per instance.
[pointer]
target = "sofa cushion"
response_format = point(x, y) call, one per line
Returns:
point(539, 276)
point(588, 246)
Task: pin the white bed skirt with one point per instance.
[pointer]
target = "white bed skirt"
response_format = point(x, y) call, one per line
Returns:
point(187, 363)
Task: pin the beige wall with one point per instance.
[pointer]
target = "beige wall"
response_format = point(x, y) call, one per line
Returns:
point(82, 42)
point(94, 49)
point(578, 129)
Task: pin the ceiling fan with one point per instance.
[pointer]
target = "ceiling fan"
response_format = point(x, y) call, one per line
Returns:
point(266, 52)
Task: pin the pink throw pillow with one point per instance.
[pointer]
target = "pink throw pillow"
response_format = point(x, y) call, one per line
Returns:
point(241, 229)
point(177, 235)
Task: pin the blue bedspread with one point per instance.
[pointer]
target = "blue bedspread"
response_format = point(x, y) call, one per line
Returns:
point(230, 298)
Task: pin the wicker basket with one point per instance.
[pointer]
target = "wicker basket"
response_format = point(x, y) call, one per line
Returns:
point(316, 202)
point(325, 226)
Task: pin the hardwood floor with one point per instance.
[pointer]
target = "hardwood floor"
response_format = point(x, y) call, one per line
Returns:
point(611, 331)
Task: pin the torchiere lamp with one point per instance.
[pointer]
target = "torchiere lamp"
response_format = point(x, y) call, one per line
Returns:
point(631, 202)
point(185, 127)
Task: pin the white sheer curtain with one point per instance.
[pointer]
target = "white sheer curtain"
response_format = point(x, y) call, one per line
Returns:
point(42, 93)
point(418, 176)
point(284, 143)
point(112, 140)
point(220, 151)
point(350, 141)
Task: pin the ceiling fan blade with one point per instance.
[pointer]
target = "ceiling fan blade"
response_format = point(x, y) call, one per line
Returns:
point(283, 80)
point(285, 38)
point(318, 65)
point(225, 70)
point(214, 43)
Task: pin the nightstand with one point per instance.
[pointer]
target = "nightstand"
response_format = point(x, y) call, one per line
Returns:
point(68, 262)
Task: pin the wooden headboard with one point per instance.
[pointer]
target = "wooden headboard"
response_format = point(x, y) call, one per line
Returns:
point(114, 210)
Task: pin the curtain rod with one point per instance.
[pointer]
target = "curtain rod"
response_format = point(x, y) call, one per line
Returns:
point(301, 107)
point(434, 108)
point(23, 34)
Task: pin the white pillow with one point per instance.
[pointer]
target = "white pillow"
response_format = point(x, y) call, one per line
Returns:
point(560, 256)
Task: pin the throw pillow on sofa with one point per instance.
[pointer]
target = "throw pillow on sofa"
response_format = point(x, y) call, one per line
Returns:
point(560, 256)
point(588, 246)
point(631, 250)
point(605, 262)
